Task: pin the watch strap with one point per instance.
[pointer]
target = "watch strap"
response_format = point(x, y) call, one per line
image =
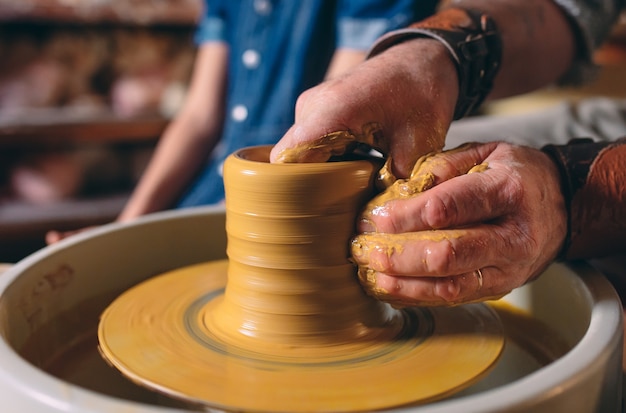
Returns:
point(473, 42)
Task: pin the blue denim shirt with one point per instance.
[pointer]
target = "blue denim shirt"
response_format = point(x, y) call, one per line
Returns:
point(278, 49)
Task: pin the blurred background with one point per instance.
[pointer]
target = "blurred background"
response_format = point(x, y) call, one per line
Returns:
point(86, 87)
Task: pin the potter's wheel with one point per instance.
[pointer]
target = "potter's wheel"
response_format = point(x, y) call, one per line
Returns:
point(283, 325)
point(50, 303)
point(159, 334)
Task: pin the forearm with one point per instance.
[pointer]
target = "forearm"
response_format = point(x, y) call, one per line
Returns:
point(545, 41)
point(188, 140)
point(181, 152)
point(594, 186)
point(508, 47)
point(538, 42)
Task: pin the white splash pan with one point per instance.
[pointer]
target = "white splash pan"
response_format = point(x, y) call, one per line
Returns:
point(575, 300)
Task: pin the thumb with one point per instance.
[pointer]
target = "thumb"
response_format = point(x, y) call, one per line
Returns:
point(296, 146)
point(411, 140)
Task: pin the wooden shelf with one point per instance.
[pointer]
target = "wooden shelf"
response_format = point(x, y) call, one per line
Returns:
point(54, 127)
point(23, 225)
point(136, 12)
point(24, 131)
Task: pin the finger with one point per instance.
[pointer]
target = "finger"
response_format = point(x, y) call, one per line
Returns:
point(442, 166)
point(435, 291)
point(320, 111)
point(458, 201)
point(436, 167)
point(438, 253)
point(53, 236)
point(295, 137)
point(331, 144)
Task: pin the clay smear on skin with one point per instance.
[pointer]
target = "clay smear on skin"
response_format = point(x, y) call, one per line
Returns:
point(367, 246)
point(331, 144)
point(421, 179)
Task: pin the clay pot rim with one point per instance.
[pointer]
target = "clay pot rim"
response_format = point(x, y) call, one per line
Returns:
point(260, 154)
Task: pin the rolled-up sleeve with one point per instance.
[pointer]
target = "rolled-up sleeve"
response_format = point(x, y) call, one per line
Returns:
point(361, 22)
point(592, 21)
point(212, 24)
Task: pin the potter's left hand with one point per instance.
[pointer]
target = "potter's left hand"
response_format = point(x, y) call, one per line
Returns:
point(507, 219)
point(400, 102)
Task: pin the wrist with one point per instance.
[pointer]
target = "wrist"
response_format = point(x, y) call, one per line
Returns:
point(436, 81)
point(473, 44)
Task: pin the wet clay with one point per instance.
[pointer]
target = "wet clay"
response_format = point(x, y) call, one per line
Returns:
point(67, 347)
point(78, 361)
point(288, 227)
point(334, 144)
point(283, 325)
point(166, 345)
point(420, 179)
point(538, 340)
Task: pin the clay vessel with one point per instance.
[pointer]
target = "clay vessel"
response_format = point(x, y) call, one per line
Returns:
point(290, 281)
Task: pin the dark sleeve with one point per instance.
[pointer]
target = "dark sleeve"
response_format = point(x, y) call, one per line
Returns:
point(592, 21)
point(593, 176)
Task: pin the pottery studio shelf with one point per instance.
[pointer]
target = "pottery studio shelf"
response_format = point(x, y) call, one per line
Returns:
point(60, 127)
point(23, 225)
point(135, 13)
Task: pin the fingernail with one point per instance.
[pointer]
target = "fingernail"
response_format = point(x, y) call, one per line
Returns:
point(359, 250)
point(366, 225)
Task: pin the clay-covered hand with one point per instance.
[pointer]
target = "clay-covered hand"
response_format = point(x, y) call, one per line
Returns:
point(506, 218)
point(400, 102)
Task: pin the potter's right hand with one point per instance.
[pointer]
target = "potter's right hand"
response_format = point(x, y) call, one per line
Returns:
point(404, 98)
point(425, 243)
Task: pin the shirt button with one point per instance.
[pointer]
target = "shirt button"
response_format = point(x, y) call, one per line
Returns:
point(263, 7)
point(239, 113)
point(251, 59)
